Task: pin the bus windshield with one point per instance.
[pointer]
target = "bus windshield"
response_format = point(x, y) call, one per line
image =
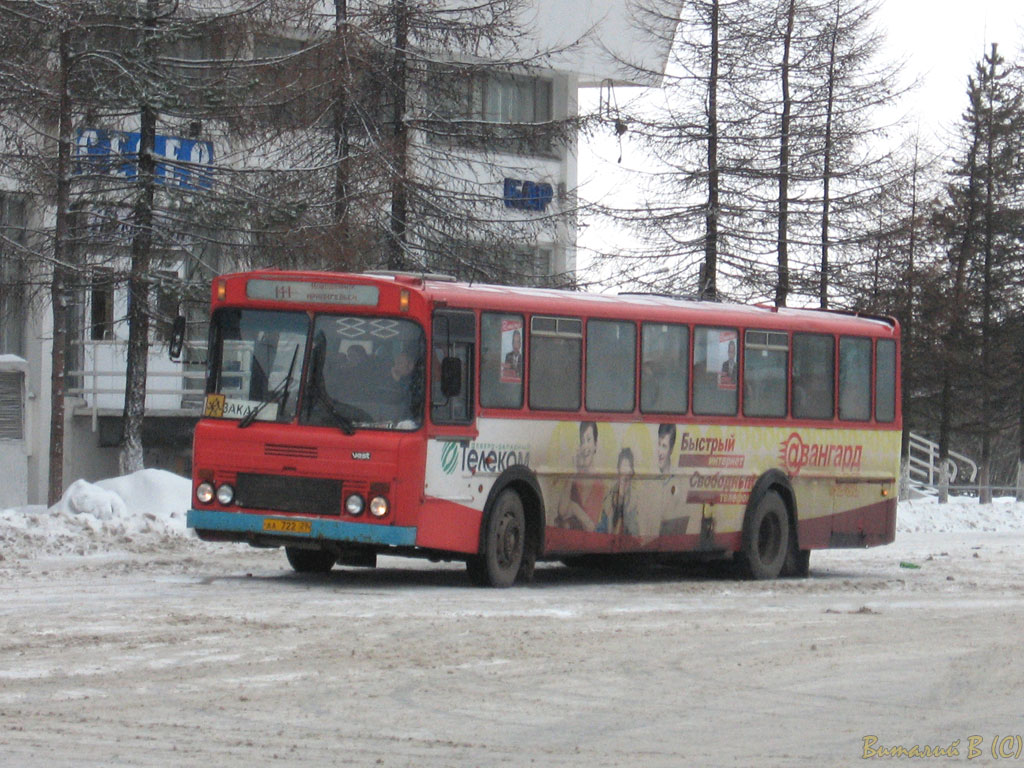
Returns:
point(365, 372)
point(257, 362)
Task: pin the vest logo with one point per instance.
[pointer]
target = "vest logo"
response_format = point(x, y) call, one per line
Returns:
point(361, 455)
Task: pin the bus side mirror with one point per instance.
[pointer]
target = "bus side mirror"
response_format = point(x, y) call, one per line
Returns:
point(451, 376)
point(177, 338)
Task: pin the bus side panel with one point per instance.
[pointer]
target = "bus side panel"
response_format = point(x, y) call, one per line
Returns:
point(449, 527)
point(866, 526)
point(814, 532)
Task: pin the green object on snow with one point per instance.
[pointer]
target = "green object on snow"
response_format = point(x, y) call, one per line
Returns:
point(905, 564)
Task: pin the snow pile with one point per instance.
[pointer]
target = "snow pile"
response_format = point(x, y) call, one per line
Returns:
point(145, 512)
point(141, 511)
point(960, 515)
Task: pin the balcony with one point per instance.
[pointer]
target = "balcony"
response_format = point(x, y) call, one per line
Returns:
point(172, 388)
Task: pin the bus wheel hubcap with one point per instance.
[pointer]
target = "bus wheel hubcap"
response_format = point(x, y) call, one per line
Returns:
point(508, 538)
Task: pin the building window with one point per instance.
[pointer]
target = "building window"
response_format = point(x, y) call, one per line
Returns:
point(513, 99)
point(101, 304)
point(495, 111)
point(165, 304)
point(530, 266)
point(12, 275)
point(11, 404)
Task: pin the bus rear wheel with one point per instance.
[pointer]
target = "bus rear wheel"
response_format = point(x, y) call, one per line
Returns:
point(504, 543)
point(309, 560)
point(765, 542)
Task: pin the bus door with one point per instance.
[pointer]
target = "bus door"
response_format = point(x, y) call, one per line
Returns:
point(453, 337)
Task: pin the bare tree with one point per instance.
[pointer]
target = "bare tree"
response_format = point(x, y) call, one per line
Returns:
point(694, 227)
point(442, 102)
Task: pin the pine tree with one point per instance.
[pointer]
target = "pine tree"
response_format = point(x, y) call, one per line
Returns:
point(983, 227)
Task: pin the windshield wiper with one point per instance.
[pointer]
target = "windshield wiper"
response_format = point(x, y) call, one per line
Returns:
point(318, 391)
point(280, 392)
point(344, 422)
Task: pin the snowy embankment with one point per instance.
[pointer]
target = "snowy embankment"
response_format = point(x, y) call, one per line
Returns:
point(145, 512)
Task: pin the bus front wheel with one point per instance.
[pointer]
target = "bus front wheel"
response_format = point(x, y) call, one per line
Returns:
point(309, 560)
point(765, 542)
point(504, 543)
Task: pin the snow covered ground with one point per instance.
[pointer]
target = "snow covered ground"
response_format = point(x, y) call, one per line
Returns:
point(145, 512)
point(125, 641)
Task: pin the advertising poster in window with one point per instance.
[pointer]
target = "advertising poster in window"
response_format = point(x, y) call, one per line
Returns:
point(722, 356)
point(512, 351)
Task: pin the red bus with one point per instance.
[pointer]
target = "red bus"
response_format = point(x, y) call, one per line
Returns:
point(353, 415)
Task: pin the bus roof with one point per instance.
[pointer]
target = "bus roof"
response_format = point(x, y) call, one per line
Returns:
point(649, 307)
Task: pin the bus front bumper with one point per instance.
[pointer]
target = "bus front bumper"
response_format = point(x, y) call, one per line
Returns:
point(245, 526)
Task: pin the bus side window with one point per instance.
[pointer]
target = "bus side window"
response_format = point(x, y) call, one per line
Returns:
point(454, 335)
point(502, 352)
point(854, 379)
point(611, 365)
point(813, 376)
point(885, 380)
point(556, 358)
point(664, 374)
point(765, 363)
point(715, 371)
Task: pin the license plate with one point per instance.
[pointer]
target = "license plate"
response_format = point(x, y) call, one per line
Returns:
point(287, 526)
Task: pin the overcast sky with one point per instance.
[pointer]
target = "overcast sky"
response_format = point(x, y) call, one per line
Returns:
point(939, 41)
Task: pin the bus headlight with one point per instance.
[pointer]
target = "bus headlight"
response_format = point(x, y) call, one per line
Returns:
point(204, 492)
point(378, 506)
point(225, 494)
point(354, 505)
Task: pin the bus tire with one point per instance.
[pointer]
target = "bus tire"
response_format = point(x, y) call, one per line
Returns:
point(309, 560)
point(798, 563)
point(504, 543)
point(765, 541)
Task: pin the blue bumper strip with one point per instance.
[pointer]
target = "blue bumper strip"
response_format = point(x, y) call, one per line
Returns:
point(333, 530)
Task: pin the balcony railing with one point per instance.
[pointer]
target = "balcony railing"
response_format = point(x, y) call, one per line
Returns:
point(172, 388)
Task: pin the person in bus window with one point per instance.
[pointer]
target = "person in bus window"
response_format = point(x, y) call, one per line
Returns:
point(729, 366)
point(619, 510)
point(579, 506)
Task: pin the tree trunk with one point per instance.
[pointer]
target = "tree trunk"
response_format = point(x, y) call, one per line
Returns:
point(341, 138)
point(987, 340)
point(826, 176)
point(399, 181)
point(709, 288)
point(907, 342)
point(138, 281)
point(1020, 480)
point(782, 287)
point(58, 285)
point(1020, 413)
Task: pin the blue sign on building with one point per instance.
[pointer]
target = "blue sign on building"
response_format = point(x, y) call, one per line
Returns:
point(528, 195)
point(116, 153)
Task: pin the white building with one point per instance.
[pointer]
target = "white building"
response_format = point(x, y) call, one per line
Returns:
point(594, 38)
